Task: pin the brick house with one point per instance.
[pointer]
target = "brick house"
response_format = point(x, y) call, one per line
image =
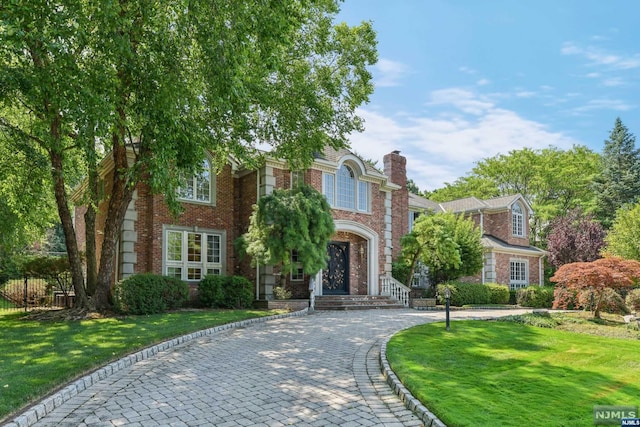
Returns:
point(504, 223)
point(372, 210)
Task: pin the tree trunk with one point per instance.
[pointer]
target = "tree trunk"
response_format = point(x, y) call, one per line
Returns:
point(75, 261)
point(120, 197)
point(90, 231)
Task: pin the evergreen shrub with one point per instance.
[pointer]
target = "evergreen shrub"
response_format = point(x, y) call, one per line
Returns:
point(225, 292)
point(535, 296)
point(150, 293)
point(498, 294)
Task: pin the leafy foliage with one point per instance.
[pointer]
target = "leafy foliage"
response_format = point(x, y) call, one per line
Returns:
point(633, 300)
point(150, 293)
point(498, 294)
point(540, 320)
point(288, 220)
point(535, 296)
point(596, 276)
point(623, 238)
point(464, 293)
point(447, 243)
point(225, 292)
point(618, 183)
point(552, 181)
point(574, 237)
point(151, 87)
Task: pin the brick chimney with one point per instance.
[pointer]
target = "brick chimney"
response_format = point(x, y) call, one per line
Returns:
point(395, 167)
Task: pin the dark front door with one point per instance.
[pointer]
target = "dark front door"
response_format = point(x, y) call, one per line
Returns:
point(335, 278)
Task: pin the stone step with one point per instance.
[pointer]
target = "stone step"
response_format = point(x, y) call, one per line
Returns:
point(355, 302)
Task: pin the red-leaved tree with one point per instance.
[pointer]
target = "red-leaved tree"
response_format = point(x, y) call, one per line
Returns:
point(596, 276)
point(575, 237)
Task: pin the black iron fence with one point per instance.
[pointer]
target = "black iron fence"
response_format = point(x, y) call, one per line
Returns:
point(31, 293)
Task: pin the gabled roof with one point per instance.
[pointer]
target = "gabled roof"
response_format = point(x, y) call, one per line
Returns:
point(418, 202)
point(468, 204)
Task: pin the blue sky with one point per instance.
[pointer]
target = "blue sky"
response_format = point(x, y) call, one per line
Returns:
point(462, 80)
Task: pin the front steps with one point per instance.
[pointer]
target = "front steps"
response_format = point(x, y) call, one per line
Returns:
point(355, 302)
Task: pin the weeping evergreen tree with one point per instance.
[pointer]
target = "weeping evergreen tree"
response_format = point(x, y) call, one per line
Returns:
point(288, 220)
point(618, 183)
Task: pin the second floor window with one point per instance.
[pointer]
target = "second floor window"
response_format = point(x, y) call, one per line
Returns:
point(199, 187)
point(345, 190)
point(517, 220)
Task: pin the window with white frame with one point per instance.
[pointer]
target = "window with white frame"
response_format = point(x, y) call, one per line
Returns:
point(192, 255)
point(200, 187)
point(345, 190)
point(413, 215)
point(517, 220)
point(518, 270)
point(297, 273)
point(297, 178)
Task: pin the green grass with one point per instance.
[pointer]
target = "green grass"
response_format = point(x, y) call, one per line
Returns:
point(39, 356)
point(485, 373)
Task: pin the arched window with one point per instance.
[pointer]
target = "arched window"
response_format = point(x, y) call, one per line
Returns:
point(346, 188)
point(517, 220)
point(200, 187)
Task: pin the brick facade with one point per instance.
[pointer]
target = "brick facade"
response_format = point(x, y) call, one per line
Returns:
point(373, 235)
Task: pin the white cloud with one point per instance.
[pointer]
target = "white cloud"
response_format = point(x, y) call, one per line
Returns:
point(444, 147)
point(389, 73)
point(600, 57)
point(613, 81)
point(467, 70)
point(603, 104)
point(483, 82)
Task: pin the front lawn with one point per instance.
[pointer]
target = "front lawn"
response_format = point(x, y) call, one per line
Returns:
point(485, 373)
point(38, 356)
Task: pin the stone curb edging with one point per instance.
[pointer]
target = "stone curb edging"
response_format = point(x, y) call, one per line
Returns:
point(48, 404)
point(427, 417)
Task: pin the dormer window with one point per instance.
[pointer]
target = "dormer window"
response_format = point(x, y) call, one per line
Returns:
point(200, 187)
point(517, 220)
point(345, 190)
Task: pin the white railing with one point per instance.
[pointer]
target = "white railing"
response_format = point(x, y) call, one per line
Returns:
point(395, 289)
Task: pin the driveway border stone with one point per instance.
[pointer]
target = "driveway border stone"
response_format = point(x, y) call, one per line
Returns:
point(46, 405)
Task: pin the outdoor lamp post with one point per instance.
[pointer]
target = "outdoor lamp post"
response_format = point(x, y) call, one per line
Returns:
point(447, 297)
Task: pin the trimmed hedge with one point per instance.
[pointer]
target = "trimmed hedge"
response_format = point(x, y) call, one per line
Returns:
point(474, 293)
point(150, 293)
point(498, 294)
point(225, 292)
point(535, 296)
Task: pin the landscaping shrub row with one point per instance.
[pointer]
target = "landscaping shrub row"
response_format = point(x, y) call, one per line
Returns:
point(474, 293)
point(152, 293)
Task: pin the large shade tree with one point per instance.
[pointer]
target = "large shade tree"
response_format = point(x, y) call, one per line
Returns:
point(287, 221)
point(552, 181)
point(150, 86)
point(448, 244)
point(597, 277)
point(618, 183)
point(574, 237)
point(623, 239)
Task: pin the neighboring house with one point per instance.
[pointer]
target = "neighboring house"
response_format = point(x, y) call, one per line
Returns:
point(370, 210)
point(504, 223)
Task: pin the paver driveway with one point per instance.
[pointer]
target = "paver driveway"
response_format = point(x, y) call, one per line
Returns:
point(317, 370)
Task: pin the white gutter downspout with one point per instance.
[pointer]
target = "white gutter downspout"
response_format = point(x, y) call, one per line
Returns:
point(540, 272)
